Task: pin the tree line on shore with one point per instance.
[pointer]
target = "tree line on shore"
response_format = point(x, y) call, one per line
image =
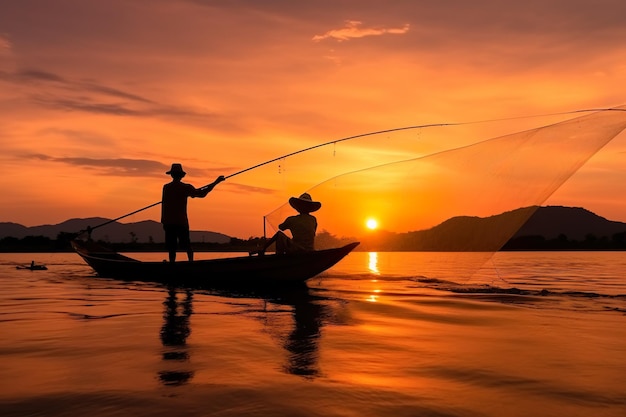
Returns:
point(323, 240)
point(591, 242)
point(40, 244)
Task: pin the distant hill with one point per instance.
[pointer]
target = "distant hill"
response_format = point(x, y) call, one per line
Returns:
point(466, 233)
point(144, 231)
point(575, 223)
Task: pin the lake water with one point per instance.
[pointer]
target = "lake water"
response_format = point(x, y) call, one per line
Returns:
point(380, 334)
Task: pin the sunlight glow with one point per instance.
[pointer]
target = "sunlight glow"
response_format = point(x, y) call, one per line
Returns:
point(371, 224)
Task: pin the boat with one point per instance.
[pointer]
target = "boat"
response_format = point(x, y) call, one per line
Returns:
point(32, 267)
point(268, 268)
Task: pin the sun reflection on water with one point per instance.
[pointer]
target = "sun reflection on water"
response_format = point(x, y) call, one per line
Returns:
point(373, 268)
point(372, 298)
point(373, 263)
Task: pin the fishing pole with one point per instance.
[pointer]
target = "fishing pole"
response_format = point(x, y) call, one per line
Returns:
point(398, 129)
point(332, 142)
point(362, 135)
point(89, 229)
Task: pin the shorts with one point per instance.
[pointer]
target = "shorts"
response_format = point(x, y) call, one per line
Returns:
point(176, 234)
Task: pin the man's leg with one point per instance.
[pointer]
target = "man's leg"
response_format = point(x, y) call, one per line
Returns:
point(170, 241)
point(283, 243)
point(185, 242)
point(265, 246)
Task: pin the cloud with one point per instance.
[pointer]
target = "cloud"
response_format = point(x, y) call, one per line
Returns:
point(109, 166)
point(128, 167)
point(29, 76)
point(114, 92)
point(5, 44)
point(353, 30)
point(242, 188)
point(116, 109)
point(53, 91)
point(33, 75)
point(96, 106)
point(7, 58)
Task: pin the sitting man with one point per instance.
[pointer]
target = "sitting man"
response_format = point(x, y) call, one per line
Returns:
point(302, 226)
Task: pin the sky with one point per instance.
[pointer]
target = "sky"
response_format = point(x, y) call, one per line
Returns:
point(98, 98)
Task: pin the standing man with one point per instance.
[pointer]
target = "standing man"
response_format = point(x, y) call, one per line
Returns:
point(174, 210)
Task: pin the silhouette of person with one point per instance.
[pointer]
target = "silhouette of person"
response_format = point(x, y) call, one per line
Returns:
point(303, 227)
point(174, 210)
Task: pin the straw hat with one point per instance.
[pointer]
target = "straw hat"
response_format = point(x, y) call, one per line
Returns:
point(177, 169)
point(304, 203)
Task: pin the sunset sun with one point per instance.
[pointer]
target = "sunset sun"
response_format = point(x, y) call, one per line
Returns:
point(372, 224)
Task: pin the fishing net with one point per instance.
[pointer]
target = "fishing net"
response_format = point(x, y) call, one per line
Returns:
point(438, 188)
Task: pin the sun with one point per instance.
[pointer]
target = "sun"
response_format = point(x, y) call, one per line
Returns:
point(372, 224)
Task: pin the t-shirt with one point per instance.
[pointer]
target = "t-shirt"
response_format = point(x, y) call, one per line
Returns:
point(174, 203)
point(303, 228)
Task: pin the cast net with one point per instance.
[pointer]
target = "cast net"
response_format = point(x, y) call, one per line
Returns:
point(437, 188)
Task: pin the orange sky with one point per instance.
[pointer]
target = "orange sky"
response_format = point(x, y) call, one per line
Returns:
point(98, 98)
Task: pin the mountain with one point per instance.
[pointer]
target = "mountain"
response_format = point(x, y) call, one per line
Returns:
point(144, 231)
point(467, 234)
point(575, 223)
point(14, 230)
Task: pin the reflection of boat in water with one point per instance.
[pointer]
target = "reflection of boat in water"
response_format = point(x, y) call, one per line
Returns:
point(33, 267)
point(297, 267)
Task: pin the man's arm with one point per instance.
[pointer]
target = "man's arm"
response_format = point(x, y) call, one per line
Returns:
point(203, 191)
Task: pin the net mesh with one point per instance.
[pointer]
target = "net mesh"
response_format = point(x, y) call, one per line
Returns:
point(438, 189)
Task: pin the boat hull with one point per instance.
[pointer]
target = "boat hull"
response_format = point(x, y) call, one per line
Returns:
point(291, 268)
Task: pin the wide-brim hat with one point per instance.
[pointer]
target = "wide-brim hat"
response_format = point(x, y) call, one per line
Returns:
point(177, 169)
point(304, 203)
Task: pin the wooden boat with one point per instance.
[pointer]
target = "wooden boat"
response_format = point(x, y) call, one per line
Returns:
point(291, 268)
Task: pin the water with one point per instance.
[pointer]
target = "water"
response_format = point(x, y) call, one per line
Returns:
point(387, 334)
